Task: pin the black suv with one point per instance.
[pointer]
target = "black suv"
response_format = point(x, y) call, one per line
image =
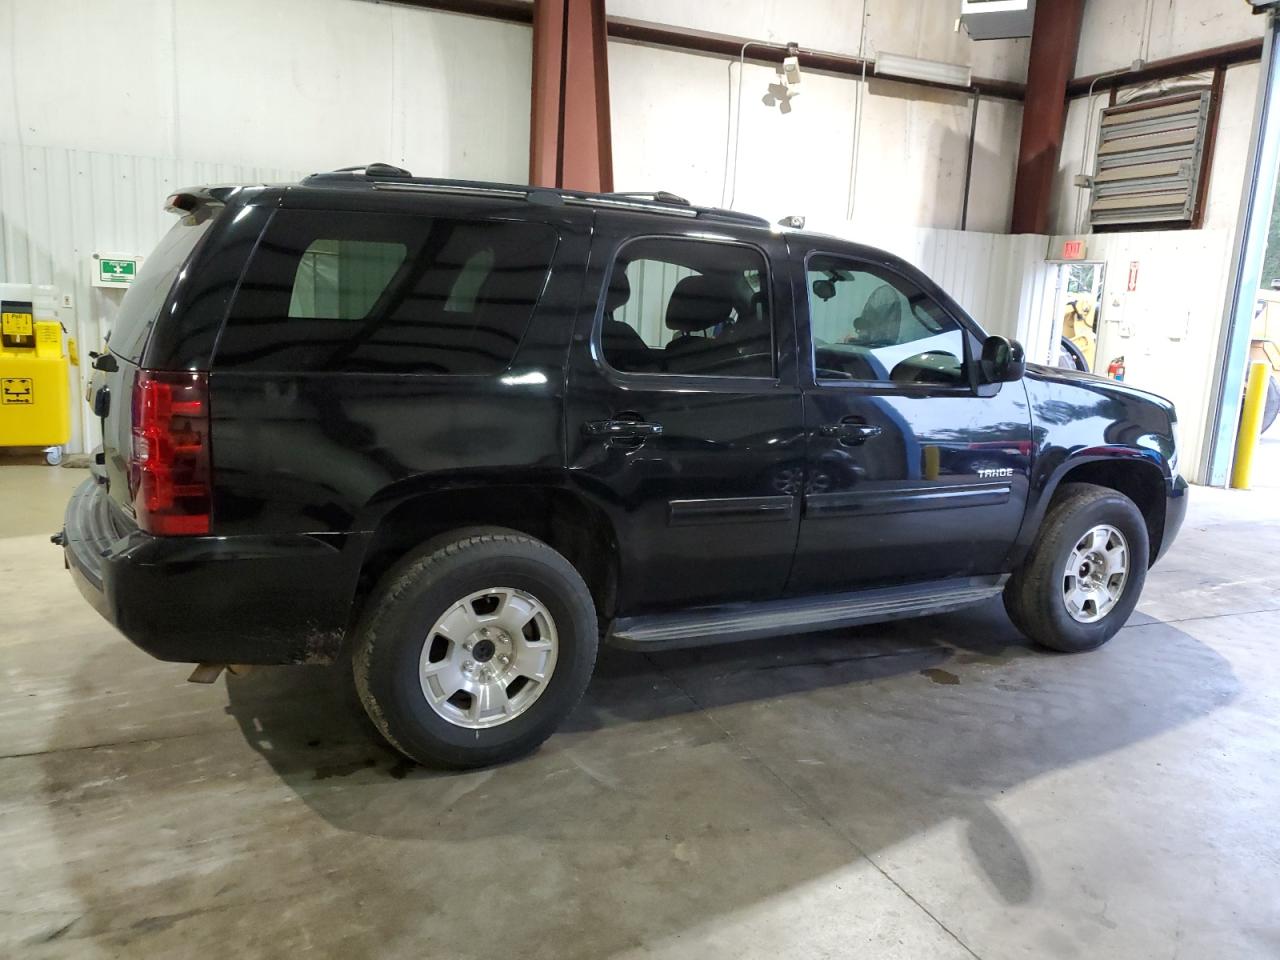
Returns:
point(462, 432)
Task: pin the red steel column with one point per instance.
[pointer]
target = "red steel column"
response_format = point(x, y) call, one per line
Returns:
point(1055, 40)
point(569, 132)
point(548, 85)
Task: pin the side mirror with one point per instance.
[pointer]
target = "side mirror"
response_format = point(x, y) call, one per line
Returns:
point(1003, 360)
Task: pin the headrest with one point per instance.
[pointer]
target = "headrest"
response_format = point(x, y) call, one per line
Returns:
point(698, 303)
point(619, 291)
point(881, 319)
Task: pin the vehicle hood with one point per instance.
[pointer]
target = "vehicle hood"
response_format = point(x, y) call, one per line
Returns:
point(1096, 384)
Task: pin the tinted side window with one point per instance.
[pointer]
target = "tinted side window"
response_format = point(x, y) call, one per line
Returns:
point(343, 279)
point(377, 293)
point(688, 307)
point(146, 297)
point(872, 325)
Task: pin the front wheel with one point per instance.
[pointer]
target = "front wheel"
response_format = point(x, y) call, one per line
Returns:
point(475, 648)
point(1082, 579)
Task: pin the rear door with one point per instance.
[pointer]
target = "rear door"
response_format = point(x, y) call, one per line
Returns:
point(914, 471)
point(369, 355)
point(684, 415)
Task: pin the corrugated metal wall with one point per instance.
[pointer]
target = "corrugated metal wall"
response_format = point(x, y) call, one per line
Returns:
point(58, 207)
point(1003, 281)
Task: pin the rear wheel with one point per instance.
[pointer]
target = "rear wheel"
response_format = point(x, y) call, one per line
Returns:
point(1082, 579)
point(475, 648)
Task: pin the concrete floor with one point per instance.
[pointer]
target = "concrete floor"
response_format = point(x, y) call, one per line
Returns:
point(926, 789)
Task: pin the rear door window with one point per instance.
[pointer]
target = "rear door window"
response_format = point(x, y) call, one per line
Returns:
point(688, 307)
point(378, 293)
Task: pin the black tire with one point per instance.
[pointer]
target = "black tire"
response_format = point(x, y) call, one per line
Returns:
point(1071, 357)
point(1272, 405)
point(417, 592)
point(1034, 594)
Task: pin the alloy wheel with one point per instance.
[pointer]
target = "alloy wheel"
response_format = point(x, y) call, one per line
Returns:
point(489, 657)
point(1096, 573)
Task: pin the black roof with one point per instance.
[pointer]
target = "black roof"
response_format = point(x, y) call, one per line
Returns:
point(385, 177)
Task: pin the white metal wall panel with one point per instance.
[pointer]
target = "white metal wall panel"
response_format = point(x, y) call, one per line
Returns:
point(58, 207)
point(1166, 327)
point(1002, 280)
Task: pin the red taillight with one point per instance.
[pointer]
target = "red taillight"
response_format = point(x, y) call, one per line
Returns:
point(169, 471)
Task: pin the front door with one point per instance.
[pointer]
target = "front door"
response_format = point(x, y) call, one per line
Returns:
point(915, 471)
point(684, 415)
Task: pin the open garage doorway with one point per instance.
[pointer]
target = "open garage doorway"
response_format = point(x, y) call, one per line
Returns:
point(1078, 313)
point(1253, 306)
point(1264, 348)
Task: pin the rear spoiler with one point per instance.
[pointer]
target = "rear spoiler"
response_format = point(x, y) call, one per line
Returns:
point(190, 199)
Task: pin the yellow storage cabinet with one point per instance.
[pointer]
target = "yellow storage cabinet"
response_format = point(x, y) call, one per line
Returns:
point(35, 399)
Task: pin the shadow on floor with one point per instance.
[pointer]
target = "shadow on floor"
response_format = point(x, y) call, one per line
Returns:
point(687, 786)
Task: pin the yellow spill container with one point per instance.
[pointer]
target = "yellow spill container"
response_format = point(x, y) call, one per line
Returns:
point(35, 396)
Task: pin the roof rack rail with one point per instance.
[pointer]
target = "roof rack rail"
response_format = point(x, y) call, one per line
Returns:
point(384, 176)
point(657, 196)
point(371, 170)
point(733, 216)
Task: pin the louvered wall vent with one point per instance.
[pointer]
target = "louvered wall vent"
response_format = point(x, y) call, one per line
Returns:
point(1150, 158)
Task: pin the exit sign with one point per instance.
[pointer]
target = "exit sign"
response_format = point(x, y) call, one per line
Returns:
point(1073, 250)
point(114, 270)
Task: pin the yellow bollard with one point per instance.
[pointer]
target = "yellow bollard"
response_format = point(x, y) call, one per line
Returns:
point(1255, 399)
point(930, 462)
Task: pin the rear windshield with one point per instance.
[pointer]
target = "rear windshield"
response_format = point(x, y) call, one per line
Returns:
point(386, 293)
point(155, 279)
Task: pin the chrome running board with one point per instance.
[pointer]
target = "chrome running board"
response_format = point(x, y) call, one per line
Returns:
point(771, 618)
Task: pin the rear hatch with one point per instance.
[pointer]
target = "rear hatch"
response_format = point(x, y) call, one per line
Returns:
point(116, 372)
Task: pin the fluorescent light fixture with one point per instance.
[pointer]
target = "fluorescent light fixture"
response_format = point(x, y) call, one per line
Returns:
point(931, 71)
point(993, 6)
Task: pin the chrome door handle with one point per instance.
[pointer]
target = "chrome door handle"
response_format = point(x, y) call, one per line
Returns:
point(624, 429)
point(851, 434)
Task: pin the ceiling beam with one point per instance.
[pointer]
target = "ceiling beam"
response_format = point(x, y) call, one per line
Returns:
point(715, 44)
point(1201, 61)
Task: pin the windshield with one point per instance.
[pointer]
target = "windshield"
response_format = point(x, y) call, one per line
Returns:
point(146, 296)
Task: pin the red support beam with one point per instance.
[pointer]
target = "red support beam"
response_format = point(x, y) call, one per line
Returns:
point(569, 132)
point(546, 119)
point(1055, 40)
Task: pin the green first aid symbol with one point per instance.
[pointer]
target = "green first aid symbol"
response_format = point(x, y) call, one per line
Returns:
point(117, 271)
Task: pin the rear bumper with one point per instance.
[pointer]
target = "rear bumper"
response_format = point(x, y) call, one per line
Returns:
point(264, 600)
point(1175, 511)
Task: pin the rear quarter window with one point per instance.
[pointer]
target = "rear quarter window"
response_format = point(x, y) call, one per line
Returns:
point(381, 293)
point(142, 303)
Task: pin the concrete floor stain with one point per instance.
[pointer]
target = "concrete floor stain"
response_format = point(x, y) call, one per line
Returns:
point(326, 771)
point(938, 675)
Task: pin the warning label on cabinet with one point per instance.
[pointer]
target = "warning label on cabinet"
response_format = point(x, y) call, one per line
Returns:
point(16, 390)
